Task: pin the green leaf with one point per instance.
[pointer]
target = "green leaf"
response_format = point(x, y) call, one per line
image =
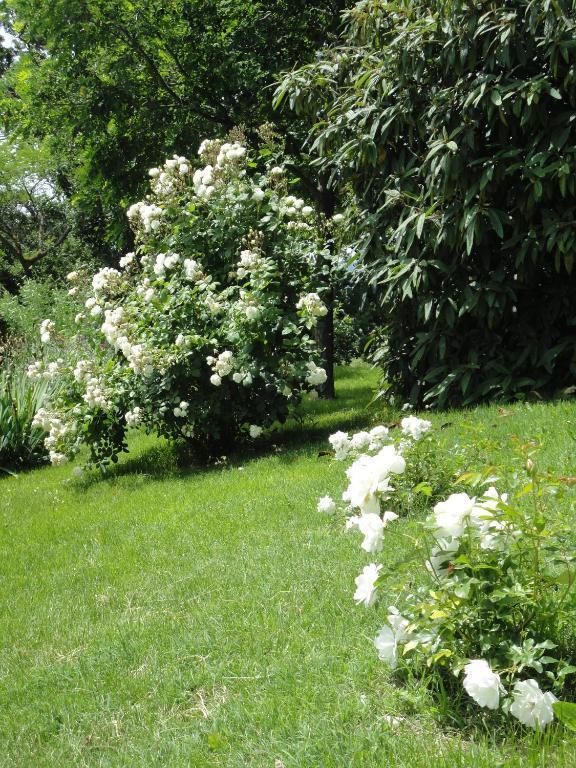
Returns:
point(423, 488)
point(420, 225)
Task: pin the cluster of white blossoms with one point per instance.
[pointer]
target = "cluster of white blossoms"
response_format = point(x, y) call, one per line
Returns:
point(294, 207)
point(462, 515)
point(249, 262)
point(193, 270)
point(146, 215)
point(529, 704)
point(127, 260)
point(95, 394)
point(312, 306)
point(242, 377)
point(165, 262)
point(222, 366)
point(248, 306)
point(165, 180)
point(140, 359)
point(203, 181)
point(219, 158)
point(106, 282)
point(369, 479)
point(133, 418)
point(47, 329)
point(316, 375)
point(91, 304)
point(58, 429)
point(229, 153)
point(414, 427)
point(345, 445)
point(255, 431)
point(181, 410)
point(459, 519)
point(38, 370)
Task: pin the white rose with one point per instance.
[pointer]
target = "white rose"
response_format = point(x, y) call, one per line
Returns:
point(389, 637)
point(531, 706)
point(365, 593)
point(452, 515)
point(482, 684)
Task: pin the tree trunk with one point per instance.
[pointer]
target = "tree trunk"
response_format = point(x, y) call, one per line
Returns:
point(325, 327)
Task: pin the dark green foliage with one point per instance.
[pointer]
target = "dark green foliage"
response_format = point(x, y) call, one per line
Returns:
point(349, 337)
point(456, 123)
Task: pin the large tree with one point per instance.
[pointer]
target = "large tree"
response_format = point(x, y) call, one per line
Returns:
point(115, 86)
point(38, 227)
point(455, 123)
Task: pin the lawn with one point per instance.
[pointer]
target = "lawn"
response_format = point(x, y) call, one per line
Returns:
point(170, 617)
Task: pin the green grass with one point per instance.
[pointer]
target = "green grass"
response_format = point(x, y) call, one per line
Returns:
point(163, 617)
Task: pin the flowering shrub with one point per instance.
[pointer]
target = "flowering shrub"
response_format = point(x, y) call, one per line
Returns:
point(494, 604)
point(204, 332)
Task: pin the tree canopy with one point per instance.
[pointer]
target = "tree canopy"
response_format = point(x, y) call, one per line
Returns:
point(113, 86)
point(455, 123)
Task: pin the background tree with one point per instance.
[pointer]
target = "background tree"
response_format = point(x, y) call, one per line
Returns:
point(113, 86)
point(455, 123)
point(38, 228)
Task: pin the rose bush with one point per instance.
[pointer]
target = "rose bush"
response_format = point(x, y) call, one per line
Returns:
point(492, 611)
point(205, 331)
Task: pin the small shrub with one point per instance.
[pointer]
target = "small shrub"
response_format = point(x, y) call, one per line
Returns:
point(21, 442)
point(483, 604)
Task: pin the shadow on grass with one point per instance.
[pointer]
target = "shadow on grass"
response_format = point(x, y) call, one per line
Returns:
point(351, 410)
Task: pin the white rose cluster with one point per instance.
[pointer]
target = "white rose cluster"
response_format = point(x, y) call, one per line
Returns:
point(414, 427)
point(462, 515)
point(47, 329)
point(147, 216)
point(49, 372)
point(316, 376)
point(193, 270)
point(134, 417)
point(165, 262)
point(181, 410)
point(58, 430)
point(221, 158)
point(95, 394)
point(459, 521)
point(294, 207)
point(106, 282)
point(222, 366)
point(165, 181)
point(127, 260)
point(345, 445)
point(250, 262)
point(312, 307)
point(369, 479)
